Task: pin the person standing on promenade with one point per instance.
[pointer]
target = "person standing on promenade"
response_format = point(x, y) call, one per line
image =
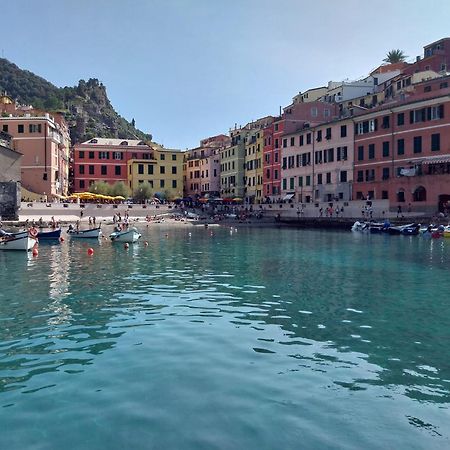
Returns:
point(399, 211)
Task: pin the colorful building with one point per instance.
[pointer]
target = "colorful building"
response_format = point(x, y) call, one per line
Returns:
point(202, 168)
point(253, 173)
point(402, 149)
point(131, 161)
point(43, 140)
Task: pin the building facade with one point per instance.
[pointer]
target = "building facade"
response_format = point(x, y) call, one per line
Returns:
point(402, 150)
point(43, 140)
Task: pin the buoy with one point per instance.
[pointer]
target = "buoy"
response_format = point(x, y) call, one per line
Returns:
point(35, 251)
point(126, 245)
point(146, 243)
point(90, 251)
point(61, 239)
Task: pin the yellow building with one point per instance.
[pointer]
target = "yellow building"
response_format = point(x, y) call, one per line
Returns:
point(163, 171)
point(253, 175)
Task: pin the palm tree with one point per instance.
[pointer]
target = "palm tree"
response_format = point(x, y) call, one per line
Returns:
point(395, 56)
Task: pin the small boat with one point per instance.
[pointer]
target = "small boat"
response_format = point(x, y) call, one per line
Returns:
point(362, 227)
point(376, 227)
point(131, 235)
point(411, 230)
point(23, 243)
point(397, 230)
point(93, 233)
point(446, 232)
point(53, 234)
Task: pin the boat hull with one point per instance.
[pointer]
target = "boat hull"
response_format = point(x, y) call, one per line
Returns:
point(24, 243)
point(49, 235)
point(95, 233)
point(129, 236)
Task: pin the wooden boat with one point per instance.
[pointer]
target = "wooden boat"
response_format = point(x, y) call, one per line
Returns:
point(93, 233)
point(23, 243)
point(53, 234)
point(130, 236)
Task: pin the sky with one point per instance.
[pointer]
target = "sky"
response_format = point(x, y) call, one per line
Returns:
point(189, 69)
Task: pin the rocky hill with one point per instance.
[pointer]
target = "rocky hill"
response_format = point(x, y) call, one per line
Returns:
point(86, 106)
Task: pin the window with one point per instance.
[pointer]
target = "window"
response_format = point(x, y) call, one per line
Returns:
point(140, 169)
point(370, 174)
point(292, 141)
point(91, 155)
point(276, 127)
point(103, 155)
point(385, 173)
point(174, 184)
point(319, 135)
point(150, 169)
point(284, 183)
point(384, 195)
point(314, 112)
point(81, 184)
point(34, 128)
point(343, 176)
point(435, 142)
point(386, 123)
point(417, 144)
point(275, 174)
point(385, 148)
point(328, 134)
point(328, 177)
point(174, 158)
point(291, 183)
point(371, 151)
point(20, 128)
point(401, 147)
point(162, 169)
point(276, 143)
point(343, 130)
point(300, 181)
point(91, 170)
point(284, 143)
point(275, 157)
point(319, 178)
point(5, 128)
point(400, 119)
point(427, 89)
point(308, 180)
point(117, 170)
point(360, 153)
point(443, 85)
point(118, 155)
point(360, 176)
point(174, 170)
point(162, 157)
point(301, 141)
point(104, 170)
point(308, 138)
point(81, 169)
point(81, 154)
point(161, 183)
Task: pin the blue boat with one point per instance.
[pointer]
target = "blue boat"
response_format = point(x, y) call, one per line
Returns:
point(49, 235)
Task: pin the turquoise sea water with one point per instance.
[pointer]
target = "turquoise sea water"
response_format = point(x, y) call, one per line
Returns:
point(220, 339)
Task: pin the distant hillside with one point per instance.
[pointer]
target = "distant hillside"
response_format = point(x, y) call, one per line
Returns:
point(85, 106)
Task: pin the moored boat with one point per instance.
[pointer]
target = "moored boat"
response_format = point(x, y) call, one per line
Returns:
point(53, 234)
point(130, 236)
point(23, 243)
point(93, 233)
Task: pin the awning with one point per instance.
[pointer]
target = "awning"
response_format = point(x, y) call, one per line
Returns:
point(288, 196)
point(437, 159)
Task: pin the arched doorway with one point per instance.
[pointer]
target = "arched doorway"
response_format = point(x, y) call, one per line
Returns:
point(420, 194)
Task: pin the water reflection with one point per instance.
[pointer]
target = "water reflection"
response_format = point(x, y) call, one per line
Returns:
point(361, 313)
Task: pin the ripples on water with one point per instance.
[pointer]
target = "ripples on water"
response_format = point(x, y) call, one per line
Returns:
point(225, 339)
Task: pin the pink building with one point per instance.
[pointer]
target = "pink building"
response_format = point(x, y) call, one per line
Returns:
point(317, 163)
point(44, 141)
point(295, 117)
point(202, 168)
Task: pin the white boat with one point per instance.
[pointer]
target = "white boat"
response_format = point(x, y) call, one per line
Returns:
point(131, 235)
point(23, 243)
point(93, 233)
